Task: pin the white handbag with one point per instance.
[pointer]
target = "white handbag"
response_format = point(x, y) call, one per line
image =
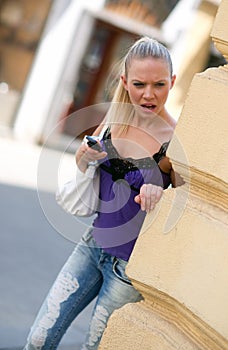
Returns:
point(80, 196)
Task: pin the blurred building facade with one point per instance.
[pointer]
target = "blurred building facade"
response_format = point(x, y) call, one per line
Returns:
point(58, 57)
point(21, 26)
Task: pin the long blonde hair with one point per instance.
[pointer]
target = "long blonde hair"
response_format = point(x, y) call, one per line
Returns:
point(121, 110)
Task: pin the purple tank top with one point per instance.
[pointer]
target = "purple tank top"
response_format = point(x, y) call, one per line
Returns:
point(119, 219)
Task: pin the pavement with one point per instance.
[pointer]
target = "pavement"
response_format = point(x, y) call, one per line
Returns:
point(36, 238)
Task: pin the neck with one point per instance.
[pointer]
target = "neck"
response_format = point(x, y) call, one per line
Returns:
point(154, 121)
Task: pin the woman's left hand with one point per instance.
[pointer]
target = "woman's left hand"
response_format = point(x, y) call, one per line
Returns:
point(149, 196)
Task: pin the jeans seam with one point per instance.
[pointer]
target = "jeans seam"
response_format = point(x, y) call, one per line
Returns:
point(88, 234)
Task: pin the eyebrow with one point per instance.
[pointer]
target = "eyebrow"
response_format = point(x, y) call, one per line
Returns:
point(156, 81)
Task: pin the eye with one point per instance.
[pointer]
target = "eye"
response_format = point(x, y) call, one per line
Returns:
point(138, 84)
point(160, 83)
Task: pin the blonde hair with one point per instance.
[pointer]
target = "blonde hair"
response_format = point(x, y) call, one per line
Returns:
point(121, 110)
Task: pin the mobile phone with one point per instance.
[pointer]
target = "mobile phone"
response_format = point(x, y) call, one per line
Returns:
point(93, 143)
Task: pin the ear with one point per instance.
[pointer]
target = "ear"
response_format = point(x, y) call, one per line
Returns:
point(173, 81)
point(124, 81)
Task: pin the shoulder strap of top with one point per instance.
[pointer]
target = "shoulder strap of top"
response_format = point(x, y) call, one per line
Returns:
point(103, 132)
point(106, 133)
point(162, 152)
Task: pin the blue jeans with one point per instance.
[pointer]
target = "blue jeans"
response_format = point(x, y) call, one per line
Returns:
point(89, 272)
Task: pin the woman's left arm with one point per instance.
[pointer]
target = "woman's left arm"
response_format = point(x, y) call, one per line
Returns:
point(166, 166)
point(150, 194)
point(176, 179)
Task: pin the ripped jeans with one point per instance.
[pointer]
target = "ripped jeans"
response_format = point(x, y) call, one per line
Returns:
point(89, 272)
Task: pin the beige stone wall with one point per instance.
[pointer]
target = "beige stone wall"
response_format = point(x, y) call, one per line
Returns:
point(180, 261)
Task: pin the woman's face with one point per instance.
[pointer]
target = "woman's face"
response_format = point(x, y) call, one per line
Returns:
point(148, 84)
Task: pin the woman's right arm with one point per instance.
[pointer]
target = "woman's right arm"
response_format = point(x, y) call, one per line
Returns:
point(86, 154)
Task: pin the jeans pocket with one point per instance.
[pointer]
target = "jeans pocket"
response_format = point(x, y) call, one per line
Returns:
point(118, 269)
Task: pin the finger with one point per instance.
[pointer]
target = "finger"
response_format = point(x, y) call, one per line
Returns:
point(149, 195)
point(101, 155)
point(159, 192)
point(92, 154)
point(137, 199)
point(81, 152)
point(156, 196)
point(152, 196)
point(149, 199)
point(143, 197)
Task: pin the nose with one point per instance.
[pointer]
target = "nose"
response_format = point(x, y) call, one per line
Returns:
point(148, 92)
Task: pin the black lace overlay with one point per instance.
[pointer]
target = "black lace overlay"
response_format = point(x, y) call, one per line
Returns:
point(119, 166)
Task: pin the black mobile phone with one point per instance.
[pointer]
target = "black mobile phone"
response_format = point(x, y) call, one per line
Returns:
point(93, 143)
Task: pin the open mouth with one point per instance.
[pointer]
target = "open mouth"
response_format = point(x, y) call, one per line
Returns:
point(149, 107)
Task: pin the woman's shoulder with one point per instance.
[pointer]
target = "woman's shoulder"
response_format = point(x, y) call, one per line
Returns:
point(169, 120)
point(168, 128)
point(172, 122)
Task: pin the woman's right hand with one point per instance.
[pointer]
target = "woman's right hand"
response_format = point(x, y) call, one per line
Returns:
point(86, 154)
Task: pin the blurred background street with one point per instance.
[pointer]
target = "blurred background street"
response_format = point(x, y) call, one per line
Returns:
point(31, 249)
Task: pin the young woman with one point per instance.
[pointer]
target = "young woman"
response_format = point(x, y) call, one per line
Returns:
point(134, 172)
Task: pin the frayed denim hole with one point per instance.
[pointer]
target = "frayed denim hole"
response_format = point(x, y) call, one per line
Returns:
point(65, 285)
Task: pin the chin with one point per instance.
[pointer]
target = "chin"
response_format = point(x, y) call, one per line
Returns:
point(146, 113)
